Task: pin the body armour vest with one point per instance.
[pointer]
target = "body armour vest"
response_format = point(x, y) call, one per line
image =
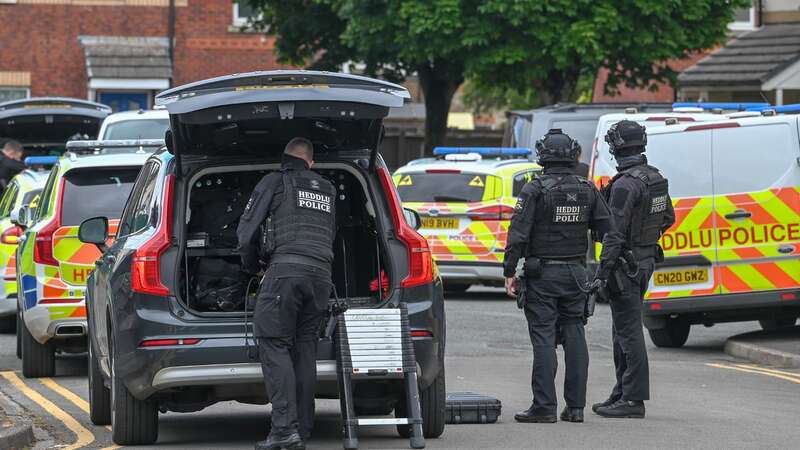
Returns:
point(648, 217)
point(561, 221)
point(304, 223)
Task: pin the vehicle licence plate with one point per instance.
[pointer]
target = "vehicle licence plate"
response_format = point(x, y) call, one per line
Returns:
point(684, 276)
point(442, 223)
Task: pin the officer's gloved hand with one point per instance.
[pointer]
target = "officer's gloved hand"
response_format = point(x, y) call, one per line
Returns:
point(597, 284)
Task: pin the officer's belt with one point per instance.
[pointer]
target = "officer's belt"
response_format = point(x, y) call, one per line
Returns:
point(290, 258)
point(561, 261)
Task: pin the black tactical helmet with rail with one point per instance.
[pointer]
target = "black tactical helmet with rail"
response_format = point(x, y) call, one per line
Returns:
point(557, 147)
point(626, 138)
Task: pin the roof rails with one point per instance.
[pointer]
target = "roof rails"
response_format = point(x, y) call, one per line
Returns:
point(83, 147)
point(710, 106)
point(41, 160)
point(483, 151)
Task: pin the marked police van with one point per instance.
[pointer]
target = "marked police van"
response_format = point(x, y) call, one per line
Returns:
point(734, 251)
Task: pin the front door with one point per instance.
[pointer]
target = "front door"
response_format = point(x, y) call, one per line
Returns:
point(124, 101)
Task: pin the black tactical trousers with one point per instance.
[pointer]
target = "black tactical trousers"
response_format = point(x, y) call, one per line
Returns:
point(554, 310)
point(630, 352)
point(286, 321)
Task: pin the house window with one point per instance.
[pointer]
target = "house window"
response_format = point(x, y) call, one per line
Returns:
point(13, 93)
point(243, 12)
point(743, 19)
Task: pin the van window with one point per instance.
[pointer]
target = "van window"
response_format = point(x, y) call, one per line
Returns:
point(8, 200)
point(108, 190)
point(752, 158)
point(47, 193)
point(685, 159)
point(137, 129)
point(446, 187)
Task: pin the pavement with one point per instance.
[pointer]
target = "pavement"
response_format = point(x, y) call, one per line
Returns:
point(778, 348)
point(701, 397)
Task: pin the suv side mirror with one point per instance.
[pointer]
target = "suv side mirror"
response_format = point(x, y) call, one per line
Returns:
point(94, 231)
point(412, 218)
point(20, 217)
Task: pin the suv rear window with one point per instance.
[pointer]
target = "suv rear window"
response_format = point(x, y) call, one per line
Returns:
point(137, 129)
point(446, 187)
point(96, 192)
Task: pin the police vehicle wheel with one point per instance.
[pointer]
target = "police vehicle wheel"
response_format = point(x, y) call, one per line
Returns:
point(8, 324)
point(432, 402)
point(99, 394)
point(777, 322)
point(673, 335)
point(38, 360)
point(133, 421)
point(19, 335)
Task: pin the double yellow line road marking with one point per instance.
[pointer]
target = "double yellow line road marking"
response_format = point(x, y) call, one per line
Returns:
point(748, 368)
point(83, 435)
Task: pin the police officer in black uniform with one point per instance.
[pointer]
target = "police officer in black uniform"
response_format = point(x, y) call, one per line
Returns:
point(550, 227)
point(289, 224)
point(642, 211)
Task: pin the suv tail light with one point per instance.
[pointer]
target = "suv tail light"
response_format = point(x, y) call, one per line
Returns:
point(493, 212)
point(420, 262)
point(43, 243)
point(146, 268)
point(11, 235)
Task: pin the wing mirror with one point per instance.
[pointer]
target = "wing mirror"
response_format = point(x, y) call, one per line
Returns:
point(94, 231)
point(20, 216)
point(412, 218)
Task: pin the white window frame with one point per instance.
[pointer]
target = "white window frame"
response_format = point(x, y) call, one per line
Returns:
point(17, 88)
point(239, 21)
point(745, 26)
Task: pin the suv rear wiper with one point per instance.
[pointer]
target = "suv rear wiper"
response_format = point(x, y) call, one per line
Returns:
point(450, 198)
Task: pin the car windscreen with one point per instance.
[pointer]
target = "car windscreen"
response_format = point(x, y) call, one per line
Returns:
point(445, 187)
point(96, 192)
point(137, 129)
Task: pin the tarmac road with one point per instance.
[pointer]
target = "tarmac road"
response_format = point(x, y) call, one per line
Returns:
point(701, 398)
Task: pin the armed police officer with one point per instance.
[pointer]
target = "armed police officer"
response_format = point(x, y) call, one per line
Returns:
point(289, 226)
point(550, 227)
point(638, 197)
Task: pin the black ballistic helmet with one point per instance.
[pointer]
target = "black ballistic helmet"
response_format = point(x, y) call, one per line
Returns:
point(555, 146)
point(626, 138)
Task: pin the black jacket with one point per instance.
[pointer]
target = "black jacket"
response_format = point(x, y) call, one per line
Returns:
point(8, 169)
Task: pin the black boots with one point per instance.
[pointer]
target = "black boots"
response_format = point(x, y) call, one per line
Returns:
point(572, 415)
point(531, 416)
point(608, 402)
point(625, 409)
point(291, 441)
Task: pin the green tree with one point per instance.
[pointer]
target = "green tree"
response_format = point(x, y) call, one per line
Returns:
point(547, 45)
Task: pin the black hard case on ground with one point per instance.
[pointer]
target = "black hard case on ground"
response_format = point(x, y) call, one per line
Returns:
point(469, 407)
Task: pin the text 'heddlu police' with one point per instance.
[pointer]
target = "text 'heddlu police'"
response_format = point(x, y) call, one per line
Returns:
point(569, 214)
point(314, 200)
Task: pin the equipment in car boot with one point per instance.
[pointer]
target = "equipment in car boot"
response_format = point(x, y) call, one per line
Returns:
point(219, 285)
point(375, 344)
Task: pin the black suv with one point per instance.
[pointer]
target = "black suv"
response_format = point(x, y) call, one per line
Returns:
point(168, 324)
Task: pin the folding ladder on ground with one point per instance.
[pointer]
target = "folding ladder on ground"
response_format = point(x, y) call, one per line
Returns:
point(376, 344)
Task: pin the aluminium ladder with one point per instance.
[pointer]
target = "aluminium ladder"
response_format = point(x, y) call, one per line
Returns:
point(376, 344)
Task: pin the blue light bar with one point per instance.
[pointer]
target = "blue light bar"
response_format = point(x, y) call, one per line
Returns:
point(41, 160)
point(483, 151)
point(795, 108)
point(711, 105)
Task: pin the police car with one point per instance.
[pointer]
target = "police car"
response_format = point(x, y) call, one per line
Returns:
point(466, 197)
point(733, 253)
point(141, 124)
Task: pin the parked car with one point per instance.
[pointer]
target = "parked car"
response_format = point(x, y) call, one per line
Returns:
point(734, 251)
point(44, 124)
point(23, 190)
point(466, 198)
point(160, 340)
point(135, 125)
point(53, 265)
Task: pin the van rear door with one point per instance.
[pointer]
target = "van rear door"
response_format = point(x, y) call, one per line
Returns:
point(685, 158)
point(757, 201)
point(50, 121)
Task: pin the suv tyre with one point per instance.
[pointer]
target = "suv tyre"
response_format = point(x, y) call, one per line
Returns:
point(673, 335)
point(133, 421)
point(777, 322)
point(99, 394)
point(38, 360)
point(432, 402)
point(19, 332)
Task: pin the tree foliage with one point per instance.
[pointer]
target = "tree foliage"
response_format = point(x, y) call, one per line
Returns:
point(501, 45)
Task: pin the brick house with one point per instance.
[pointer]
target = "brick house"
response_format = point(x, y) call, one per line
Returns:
point(117, 51)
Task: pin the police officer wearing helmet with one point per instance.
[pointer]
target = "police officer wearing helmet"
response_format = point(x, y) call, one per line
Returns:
point(638, 197)
point(289, 224)
point(549, 228)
